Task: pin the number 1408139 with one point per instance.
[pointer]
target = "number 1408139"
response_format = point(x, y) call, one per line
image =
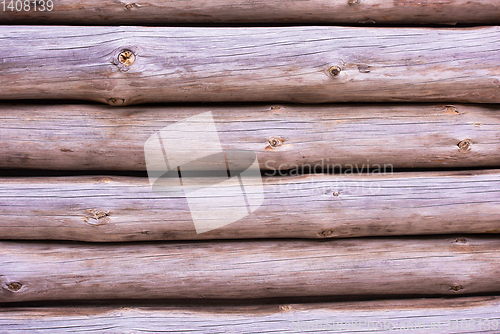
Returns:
point(26, 5)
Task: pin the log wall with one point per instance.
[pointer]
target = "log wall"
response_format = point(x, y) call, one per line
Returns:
point(131, 65)
point(250, 270)
point(315, 206)
point(378, 145)
point(160, 12)
point(440, 316)
point(89, 137)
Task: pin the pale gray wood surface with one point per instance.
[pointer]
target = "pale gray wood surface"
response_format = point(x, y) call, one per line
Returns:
point(290, 64)
point(89, 137)
point(125, 209)
point(446, 316)
point(108, 12)
point(250, 269)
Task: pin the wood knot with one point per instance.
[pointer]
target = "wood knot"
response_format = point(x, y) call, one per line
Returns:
point(116, 102)
point(456, 288)
point(14, 286)
point(285, 307)
point(97, 217)
point(464, 146)
point(353, 2)
point(334, 71)
point(126, 57)
point(336, 193)
point(129, 6)
point(326, 233)
point(451, 110)
point(460, 240)
point(275, 142)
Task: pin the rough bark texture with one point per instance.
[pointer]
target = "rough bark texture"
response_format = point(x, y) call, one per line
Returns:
point(315, 206)
point(86, 137)
point(130, 65)
point(108, 12)
point(445, 316)
point(251, 269)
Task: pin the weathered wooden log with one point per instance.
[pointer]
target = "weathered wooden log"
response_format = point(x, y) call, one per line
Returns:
point(250, 269)
point(89, 137)
point(456, 315)
point(314, 206)
point(106, 12)
point(130, 65)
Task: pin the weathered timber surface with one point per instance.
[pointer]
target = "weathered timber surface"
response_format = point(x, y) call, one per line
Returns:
point(291, 64)
point(314, 206)
point(108, 12)
point(250, 269)
point(90, 137)
point(454, 315)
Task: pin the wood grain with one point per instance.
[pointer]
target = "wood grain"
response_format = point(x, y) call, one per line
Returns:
point(312, 206)
point(89, 137)
point(436, 315)
point(291, 64)
point(250, 269)
point(159, 12)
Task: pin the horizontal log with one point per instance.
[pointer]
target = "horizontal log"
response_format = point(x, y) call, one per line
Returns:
point(250, 269)
point(313, 206)
point(90, 137)
point(457, 315)
point(107, 12)
point(131, 65)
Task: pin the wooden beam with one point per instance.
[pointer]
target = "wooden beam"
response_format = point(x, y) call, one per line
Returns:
point(457, 315)
point(159, 12)
point(130, 65)
point(250, 269)
point(90, 137)
point(311, 206)
point(436, 315)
